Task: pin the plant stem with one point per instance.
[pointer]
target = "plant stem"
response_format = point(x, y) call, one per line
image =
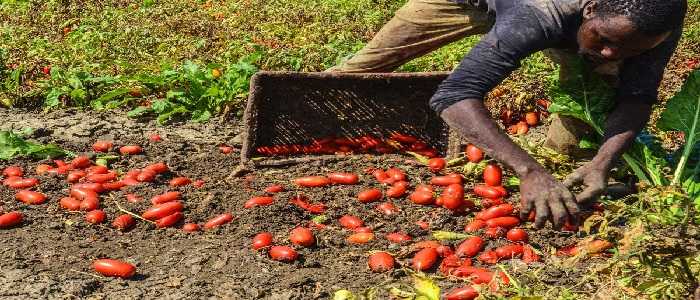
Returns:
point(688, 147)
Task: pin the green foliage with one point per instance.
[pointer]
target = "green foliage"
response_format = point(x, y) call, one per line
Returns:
point(195, 91)
point(683, 114)
point(12, 145)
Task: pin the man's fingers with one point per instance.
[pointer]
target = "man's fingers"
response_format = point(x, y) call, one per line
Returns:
point(526, 205)
point(570, 203)
point(573, 180)
point(559, 213)
point(542, 211)
point(590, 193)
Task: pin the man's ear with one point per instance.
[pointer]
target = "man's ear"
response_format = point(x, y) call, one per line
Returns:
point(589, 9)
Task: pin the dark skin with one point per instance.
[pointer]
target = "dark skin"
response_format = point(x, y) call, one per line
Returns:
point(600, 40)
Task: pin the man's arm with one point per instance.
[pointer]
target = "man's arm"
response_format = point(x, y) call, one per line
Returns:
point(640, 78)
point(539, 190)
point(622, 126)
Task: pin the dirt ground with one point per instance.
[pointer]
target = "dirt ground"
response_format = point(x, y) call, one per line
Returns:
point(49, 256)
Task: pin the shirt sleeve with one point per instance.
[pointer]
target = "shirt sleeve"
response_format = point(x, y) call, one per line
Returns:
point(516, 34)
point(641, 75)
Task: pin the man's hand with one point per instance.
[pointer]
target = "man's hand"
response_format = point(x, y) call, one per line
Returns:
point(540, 191)
point(550, 199)
point(593, 177)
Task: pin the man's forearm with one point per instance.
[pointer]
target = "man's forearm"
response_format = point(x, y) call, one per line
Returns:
point(471, 119)
point(622, 126)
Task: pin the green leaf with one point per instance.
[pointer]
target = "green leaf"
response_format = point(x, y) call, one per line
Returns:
point(53, 98)
point(448, 235)
point(344, 295)
point(201, 116)
point(113, 94)
point(683, 114)
point(12, 145)
point(425, 287)
point(138, 111)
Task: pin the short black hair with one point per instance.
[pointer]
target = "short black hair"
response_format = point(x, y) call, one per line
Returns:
point(651, 17)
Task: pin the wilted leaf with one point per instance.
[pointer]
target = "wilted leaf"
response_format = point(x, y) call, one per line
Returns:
point(426, 287)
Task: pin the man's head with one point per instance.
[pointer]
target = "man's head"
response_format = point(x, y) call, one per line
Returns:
point(618, 29)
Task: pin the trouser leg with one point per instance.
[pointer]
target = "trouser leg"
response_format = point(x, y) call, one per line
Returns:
point(419, 27)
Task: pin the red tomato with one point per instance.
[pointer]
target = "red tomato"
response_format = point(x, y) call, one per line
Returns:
point(95, 187)
point(381, 262)
point(387, 208)
point(426, 244)
point(517, 235)
point(521, 128)
point(80, 162)
point(454, 191)
point(474, 154)
point(312, 181)
point(398, 237)
point(344, 178)
point(95, 216)
point(114, 268)
point(360, 237)
point(302, 236)
point(396, 174)
point(258, 201)
point(363, 229)
point(226, 149)
point(492, 175)
point(452, 203)
point(283, 253)
point(13, 171)
point(165, 197)
point(97, 170)
point(70, 203)
point(130, 150)
point(262, 240)
point(162, 210)
point(155, 138)
point(75, 176)
point(397, 190)
point(170, 220)
point(447, 180)
point(532, 118)
point(158, 168)
point(504, 222)
point(113, 186)
point(123, 222)
point(275, 188)
point(190, 227)
point(102, 146)
point(489, 192)
point(30, 197)
point(463, 293)
point(43, 169)
point(369, 195)
point(475, 225)
point(423, 225)
point(198, 183)
point(488, 257)
point(529, 254)
point(20, 183)
point(424, 259)
point(350, 222)
point(424, 188)
point(381, 176)
point(494, 232)
point(470, 247)
point(180, 181)
point(218, 221)
point(10, 219)
point(444, 250)
point(497, 211)
point(436, 164)
point(509, 251)
point(101, 178)
point(146, 176)
point(403, 138)
point(422, 198)
point(487, 203)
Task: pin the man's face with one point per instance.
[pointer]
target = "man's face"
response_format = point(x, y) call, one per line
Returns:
point(613, 38)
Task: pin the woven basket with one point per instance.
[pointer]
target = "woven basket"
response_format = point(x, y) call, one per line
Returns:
point(295, 108)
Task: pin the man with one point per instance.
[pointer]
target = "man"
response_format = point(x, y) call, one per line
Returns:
point(630, 39)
